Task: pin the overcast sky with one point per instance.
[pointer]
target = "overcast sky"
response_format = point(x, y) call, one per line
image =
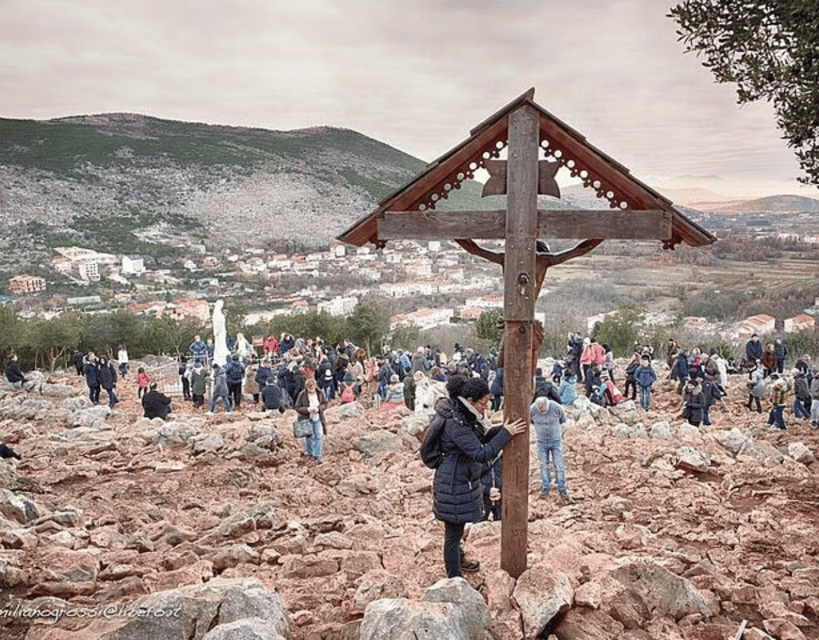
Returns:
point(415, 74)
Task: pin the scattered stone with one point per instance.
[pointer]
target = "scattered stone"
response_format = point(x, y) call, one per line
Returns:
point(350, 410)
point(799, 452)
point(732, 439)
point(378, 442)
point(691, 459)
point(541, 594)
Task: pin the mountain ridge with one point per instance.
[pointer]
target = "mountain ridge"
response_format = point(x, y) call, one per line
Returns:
point(122, 182)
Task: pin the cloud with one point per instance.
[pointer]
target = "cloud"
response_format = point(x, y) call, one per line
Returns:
point(417, 75)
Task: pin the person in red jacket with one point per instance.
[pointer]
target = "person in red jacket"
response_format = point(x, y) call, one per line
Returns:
point(593, 353)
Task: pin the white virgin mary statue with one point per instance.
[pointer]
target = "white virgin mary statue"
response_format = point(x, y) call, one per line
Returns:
point(220, 350)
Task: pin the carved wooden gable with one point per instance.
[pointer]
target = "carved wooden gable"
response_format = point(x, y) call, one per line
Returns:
point(636, 210)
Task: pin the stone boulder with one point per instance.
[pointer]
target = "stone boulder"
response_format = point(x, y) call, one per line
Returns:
point(57, 390)
point(623, 430)
point(197, 611)
point(350, 410)
point(28, 408)
point(691, 459)
point(17, 507)
point(799, 452)
point(34, 381)
point(378, 442)
point(203, 443)
point(542, 594)
point(264, 435)
point(449, 609)
point(661, 429)
point(414, 426)
point(762, 451)
point(472, 608)
point(245, 629)
point(173, 433)
point(626, 412)
point(661, 592)
point(378, 584)
point(732, 439)
point(77, 403)
point(93, 417)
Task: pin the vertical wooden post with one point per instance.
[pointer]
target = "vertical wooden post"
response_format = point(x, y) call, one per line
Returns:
point(519, 273)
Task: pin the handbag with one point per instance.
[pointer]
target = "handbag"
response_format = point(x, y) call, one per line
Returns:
point(302, 428)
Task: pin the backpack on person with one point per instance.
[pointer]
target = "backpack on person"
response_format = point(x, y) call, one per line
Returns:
point(347, 394)
point(430, 452)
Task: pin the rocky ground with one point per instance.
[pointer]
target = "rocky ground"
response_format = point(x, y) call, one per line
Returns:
point(674, 532)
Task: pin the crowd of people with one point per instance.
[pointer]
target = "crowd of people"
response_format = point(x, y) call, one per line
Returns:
point(767, 378)
point(462, 390)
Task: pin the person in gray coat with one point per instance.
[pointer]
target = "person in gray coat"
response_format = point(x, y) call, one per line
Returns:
point(220, 390)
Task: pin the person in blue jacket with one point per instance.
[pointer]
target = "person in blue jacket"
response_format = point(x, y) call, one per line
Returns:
point(457, 487)
point(235, 374)
point(92, 378)
point(496, 389)
point(198, 349)
point(645, 377)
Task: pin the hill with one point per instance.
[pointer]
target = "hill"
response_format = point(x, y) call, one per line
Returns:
point(116, 181)
point(769, 204)
point(132, 184)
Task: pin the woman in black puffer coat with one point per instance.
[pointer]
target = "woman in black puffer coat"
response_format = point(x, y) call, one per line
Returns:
point(457, 487)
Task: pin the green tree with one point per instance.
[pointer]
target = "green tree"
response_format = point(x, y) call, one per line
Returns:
point(12, 334)
point(313, 324)
point(124, 328)
point(406, 338)
point(56, 337)
point(235, 314)
point(801, 343)
point(163, 336)
point(487, 327)
point(368, 324)
point(620, 330)
point(770, 50)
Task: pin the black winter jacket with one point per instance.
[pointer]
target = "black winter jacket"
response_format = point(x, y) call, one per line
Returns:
point(13, 372)
point(234, 372)
point(457, 487)
point(92, 374)
point(107, 375)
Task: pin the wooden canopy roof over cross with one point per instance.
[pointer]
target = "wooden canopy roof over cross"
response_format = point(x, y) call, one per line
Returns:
point(637, 211)
point(528, 131)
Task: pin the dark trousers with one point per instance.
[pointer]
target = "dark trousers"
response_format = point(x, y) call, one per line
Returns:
point(198, 400)
point(491, 508)
point(452, 549)
point(775, 416)
point(112, 397)
point(186, 388)
point(235, 392)
point(752, 398)
point(630, 384)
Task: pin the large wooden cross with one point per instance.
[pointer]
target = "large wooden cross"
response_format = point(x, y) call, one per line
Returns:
point(410, 214)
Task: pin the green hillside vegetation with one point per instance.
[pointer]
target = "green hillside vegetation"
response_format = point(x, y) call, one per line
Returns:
point(73, 149)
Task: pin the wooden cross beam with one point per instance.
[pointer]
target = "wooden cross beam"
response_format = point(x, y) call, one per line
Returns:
point(570, 223)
